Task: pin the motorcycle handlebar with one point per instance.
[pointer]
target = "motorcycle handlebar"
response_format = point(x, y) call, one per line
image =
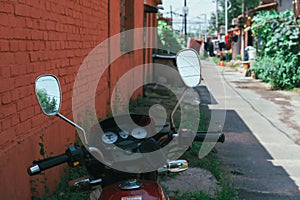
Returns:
point(209, 137)
point(47, 163)
point(74, 154)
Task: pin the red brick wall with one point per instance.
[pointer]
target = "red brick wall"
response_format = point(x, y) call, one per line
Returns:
point(38, 37)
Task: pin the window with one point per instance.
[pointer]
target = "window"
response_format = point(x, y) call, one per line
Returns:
point(127, 23)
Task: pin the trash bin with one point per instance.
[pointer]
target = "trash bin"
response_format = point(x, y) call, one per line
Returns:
point(251, 52)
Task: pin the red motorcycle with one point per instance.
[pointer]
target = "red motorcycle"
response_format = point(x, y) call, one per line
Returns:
point(118, 158)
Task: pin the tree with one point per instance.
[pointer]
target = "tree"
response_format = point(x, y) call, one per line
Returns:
point(169, 41)
point(48, 105)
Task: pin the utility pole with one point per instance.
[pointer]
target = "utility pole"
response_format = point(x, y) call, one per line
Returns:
point(226, 23)
point(201, 27)
point(242, 32)
point(226, 14)
point(205, 28)
point(217, 16)
point(226, 17)
point(185, 22)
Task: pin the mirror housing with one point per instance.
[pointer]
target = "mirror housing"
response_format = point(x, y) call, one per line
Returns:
point(189, 67)
point(48, 93)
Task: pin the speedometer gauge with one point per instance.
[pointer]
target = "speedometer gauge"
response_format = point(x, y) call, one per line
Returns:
point(109, 137)
point(124, 134)
point(139, 133)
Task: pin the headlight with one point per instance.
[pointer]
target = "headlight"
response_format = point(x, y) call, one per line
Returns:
point(139, 133)
point(109, 137)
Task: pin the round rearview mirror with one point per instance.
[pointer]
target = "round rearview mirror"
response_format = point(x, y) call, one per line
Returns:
point(48, 93)
point(189, 67)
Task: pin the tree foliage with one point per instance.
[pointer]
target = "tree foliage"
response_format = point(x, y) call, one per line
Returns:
point(277, 35)
point(169, 42)
point(48, 105)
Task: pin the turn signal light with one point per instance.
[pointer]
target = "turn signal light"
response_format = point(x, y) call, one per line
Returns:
point(75, 164)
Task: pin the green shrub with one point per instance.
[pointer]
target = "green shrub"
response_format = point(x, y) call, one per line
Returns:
point(238, 57)
point(277, 35)
point(279, 73)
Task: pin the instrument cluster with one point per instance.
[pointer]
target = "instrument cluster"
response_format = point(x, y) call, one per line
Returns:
point(111, 137)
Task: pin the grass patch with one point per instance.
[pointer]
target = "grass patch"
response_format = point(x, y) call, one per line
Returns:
point(63, 191)
point(213, 164)
point(190, 196)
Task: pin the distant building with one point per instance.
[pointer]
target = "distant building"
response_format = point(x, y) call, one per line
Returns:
point(235, 31)
point(278, 5)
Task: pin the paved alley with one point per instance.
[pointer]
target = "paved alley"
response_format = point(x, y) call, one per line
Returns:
point(262, 131)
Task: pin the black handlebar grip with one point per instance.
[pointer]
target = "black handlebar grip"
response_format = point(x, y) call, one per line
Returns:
point(210, 137)
point(47, 163)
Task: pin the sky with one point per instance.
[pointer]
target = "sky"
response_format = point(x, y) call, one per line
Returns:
point(197, 9)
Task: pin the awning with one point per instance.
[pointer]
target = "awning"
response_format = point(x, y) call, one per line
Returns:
point(165, 56)
point(150, 9)
point(267, 6)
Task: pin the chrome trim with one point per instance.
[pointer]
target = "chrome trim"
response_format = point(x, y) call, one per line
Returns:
point(81, 182)
point(130, 185)
point(34, 169)
point(96, 181)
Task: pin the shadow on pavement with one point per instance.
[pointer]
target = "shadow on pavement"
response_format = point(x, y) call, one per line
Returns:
point(249, 164)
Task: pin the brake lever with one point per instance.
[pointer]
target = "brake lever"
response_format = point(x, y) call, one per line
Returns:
point(84, 184)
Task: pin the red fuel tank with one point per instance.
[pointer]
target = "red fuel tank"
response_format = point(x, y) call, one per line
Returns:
point(148, 190)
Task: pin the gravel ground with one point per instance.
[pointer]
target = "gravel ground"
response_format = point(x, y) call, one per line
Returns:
point(192, 180)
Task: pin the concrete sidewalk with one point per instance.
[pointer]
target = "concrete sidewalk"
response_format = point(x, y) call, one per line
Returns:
point(262, 131)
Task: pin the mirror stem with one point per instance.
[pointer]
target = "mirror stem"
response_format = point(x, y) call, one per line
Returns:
point(73, 124)
point(175, 108)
